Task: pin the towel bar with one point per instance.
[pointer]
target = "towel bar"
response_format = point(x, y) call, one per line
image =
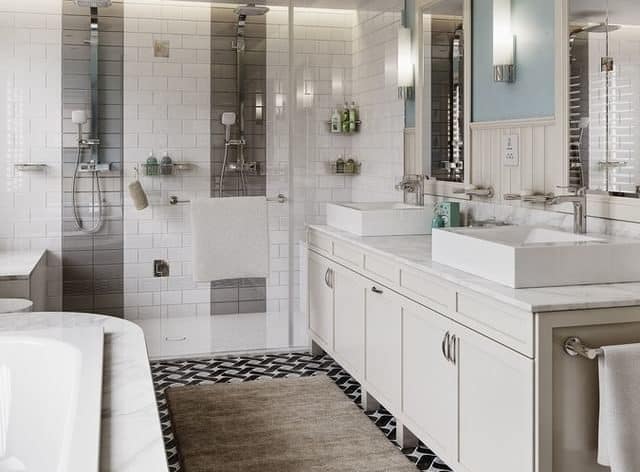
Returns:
point(173, 199)
point(575, 347)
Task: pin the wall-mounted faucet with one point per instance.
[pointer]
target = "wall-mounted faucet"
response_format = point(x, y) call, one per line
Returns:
point(412, 184)
point(579, 200)
point(578, 197)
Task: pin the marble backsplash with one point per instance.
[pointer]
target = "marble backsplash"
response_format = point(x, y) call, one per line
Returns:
point(482, 211)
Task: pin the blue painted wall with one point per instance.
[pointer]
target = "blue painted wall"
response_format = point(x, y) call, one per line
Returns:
point(532, 95)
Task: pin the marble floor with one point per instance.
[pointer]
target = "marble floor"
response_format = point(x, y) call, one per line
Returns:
point(246, 368)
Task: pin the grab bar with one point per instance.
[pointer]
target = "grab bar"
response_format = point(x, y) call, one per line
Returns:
point(280, 198)
point(574, 346)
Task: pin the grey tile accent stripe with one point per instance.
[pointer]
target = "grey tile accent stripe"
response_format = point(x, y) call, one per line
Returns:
point(93, 264)
point(247, 295)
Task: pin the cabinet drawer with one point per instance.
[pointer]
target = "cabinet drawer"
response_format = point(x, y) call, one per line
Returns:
point(428, 290)
point(347, 253)
point(382, 269)
point(319, 242)
point(503, 323)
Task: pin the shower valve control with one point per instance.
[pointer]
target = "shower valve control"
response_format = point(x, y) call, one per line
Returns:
point(160, 268)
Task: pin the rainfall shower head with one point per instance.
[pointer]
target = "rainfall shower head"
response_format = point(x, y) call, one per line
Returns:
point(599, 28)
point(251, 10)
point(93, 3)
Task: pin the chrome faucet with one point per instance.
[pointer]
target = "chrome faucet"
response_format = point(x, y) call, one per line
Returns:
point(579, 200)
point(412, 184)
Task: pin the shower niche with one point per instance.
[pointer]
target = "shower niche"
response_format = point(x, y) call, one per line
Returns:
point(604, 86)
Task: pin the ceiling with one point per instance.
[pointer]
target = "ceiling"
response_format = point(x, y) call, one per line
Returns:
point(625, 12)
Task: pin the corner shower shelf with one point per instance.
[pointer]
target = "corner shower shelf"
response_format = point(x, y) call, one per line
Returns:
point(159, 170)
point(30, 167)
point(333, 168)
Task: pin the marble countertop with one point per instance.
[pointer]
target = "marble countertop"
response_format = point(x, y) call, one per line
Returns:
point(19, 265)
point(415, 251)
point(131, 437)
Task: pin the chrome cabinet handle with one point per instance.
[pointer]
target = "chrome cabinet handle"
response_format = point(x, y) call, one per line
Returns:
point(326, 278)
point(175, 339)
point(454, 355)
point(376, 290)
point(445, 346)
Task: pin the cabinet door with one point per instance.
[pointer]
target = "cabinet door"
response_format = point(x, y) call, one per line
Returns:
point(321, 299)
point(496, 406)
point(430, 380)
point(383, 346)
point(350, 293)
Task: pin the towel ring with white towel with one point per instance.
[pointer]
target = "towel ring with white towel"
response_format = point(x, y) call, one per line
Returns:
point(619, 416)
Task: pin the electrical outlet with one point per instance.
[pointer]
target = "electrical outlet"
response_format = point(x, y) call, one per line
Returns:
point(510, 148)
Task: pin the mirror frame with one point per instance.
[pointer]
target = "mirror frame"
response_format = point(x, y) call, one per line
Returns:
point(441, 187)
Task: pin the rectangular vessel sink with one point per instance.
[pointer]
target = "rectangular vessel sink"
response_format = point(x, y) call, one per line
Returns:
point(528, 256)
point(380, 219)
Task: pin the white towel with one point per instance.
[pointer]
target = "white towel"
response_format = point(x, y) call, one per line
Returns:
point(619, 418)
point(230, 238)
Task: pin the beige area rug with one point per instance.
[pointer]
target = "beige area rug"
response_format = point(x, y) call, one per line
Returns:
point(283, 425)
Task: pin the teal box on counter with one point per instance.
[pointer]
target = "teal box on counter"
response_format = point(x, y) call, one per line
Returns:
point(449, 212)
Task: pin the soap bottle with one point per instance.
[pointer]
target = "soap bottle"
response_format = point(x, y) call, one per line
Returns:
point(151, 166)
point(340, 165)
point(353, 117)
point(336, 121)
point(166, 164)
point(438, 220)
point(345, 118)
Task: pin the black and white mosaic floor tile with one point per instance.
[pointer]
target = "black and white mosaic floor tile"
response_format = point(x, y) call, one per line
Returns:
point(246, 368)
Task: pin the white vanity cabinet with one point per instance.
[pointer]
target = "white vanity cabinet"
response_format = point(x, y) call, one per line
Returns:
point(383, 351)
point(467, 396)
point(350, 291)
point(320, 282)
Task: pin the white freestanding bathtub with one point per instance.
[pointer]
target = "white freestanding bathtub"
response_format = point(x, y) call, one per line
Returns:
point(50, 400)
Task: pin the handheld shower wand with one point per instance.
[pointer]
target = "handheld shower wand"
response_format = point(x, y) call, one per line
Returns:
point(228, 120)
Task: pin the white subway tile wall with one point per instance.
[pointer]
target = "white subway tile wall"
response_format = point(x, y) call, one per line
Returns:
point(167, 110)
point(30, 117)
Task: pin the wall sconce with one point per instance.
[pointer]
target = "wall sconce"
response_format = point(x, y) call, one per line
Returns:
point(405, 63)
point(259, 108)
point(503, 43)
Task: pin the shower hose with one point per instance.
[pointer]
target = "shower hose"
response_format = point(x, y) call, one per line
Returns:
point(74, 201)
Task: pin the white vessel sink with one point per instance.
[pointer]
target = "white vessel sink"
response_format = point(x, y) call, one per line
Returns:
point(380, 219)
point(527, 256)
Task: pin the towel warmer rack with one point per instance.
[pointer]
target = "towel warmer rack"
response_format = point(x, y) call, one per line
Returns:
point(280, 198)
point(575, 347)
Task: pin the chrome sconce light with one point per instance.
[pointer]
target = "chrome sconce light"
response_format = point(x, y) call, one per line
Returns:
point(503, 43)
point(405, 64)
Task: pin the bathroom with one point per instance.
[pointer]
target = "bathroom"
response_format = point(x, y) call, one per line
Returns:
point(255, 235)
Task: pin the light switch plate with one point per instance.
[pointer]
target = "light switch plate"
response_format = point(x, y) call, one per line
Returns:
point(510, 148)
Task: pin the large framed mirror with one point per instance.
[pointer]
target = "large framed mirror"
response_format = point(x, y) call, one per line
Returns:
point(603, 95)
point(443, 89)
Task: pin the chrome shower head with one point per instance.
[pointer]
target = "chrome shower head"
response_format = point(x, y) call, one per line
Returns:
point(599, 28)
point(93, 3)
point(251, 10)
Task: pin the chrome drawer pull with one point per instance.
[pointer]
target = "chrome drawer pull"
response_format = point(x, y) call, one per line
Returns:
point(376, 290)
point(175, 339)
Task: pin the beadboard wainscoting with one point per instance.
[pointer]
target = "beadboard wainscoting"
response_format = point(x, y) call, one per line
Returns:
point(540, 168)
